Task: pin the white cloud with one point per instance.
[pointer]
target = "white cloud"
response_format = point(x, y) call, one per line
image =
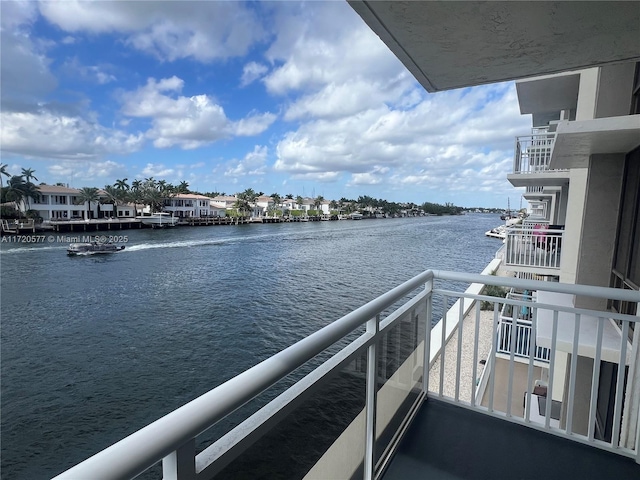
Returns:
point(428, 144)
point(203, 31)
point(95, 73)
point(253, 163)
point(157, 171)
point(254, 124)
point(94, 172)
point(374, 177)
point(251, 72)
point(188, 122)
point(50, 135)
point(324, 43)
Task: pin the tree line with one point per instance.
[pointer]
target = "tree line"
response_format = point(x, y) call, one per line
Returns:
point(153, 193)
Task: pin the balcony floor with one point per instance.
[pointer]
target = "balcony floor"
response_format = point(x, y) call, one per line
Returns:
point(449, 442)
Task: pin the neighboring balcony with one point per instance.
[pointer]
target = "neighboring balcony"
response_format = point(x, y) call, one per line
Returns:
point(522, 341)
point(534, 248)
point(531, 161)
point(533, 152)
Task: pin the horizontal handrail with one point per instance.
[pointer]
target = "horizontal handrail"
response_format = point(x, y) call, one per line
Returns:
point(521, 284)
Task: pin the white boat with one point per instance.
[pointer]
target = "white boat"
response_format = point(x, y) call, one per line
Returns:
point(498, 232)
point(356, 216)
point(93, 248)
point(159, 220)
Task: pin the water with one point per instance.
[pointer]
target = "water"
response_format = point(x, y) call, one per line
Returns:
point(94, 348)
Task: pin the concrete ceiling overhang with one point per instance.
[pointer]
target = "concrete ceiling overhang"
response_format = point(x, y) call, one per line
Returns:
point(550, 94)
point(576, 141)
point(548, 178)
point(448, 45)
point(538, 197)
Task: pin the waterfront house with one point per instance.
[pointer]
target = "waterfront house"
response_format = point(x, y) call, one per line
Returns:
point(56, 202)
point(262, 205)
point(185, 205)
point(571, 408)
point(224, 201)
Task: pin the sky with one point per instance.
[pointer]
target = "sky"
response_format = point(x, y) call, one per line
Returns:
point(281, 97)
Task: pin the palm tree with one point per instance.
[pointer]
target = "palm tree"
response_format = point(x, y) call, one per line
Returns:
point(88, 194)
point(333, 205)
point(3, 171)
point(16, 190)
point(277, 199)
point(183, 187)
point(115, 196)
point(241, 204)
point(251, 196)
point(122, 184)
point(318, 203)
point(299, 201)
point(28, 174)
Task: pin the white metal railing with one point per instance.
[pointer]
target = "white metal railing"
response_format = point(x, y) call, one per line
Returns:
point(533, 153)
point(534, 246)
point(523, 337)
point(530, 223)
point(364, 333)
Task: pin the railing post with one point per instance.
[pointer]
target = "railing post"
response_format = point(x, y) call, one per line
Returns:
point(373, 327)
point(630, 435)
point(427, 339)
point(181, 463)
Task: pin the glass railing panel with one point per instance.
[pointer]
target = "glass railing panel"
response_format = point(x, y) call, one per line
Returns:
point(400, 371)
point(322, 437)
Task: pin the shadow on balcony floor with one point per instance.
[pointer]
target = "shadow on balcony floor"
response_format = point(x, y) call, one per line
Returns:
point(448, 442)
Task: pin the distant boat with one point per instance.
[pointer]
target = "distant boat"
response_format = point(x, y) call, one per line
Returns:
point(498, 232)
point(356, 216)
point(159, 220)
point(93, 248)
point(508, 214)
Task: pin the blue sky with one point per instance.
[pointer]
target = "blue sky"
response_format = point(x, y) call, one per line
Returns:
point(281, 97)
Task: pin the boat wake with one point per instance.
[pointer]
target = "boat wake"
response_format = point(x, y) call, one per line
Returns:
point(17, 250)
point(176, 244)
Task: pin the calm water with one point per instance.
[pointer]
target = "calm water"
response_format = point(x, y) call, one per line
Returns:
point(94, 348)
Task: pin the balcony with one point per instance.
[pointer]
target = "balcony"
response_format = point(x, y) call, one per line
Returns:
point(531, 161)
point(533, 152)
point(534, 249)
point(383, 392)
point(524, 343)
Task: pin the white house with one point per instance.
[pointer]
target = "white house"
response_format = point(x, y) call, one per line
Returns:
point(190, 205)
point(59, 203)
point(224, 201)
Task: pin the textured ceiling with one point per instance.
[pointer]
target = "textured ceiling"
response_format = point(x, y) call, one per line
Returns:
point(450, 45)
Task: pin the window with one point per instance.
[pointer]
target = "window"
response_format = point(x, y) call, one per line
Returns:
point(626, 261)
